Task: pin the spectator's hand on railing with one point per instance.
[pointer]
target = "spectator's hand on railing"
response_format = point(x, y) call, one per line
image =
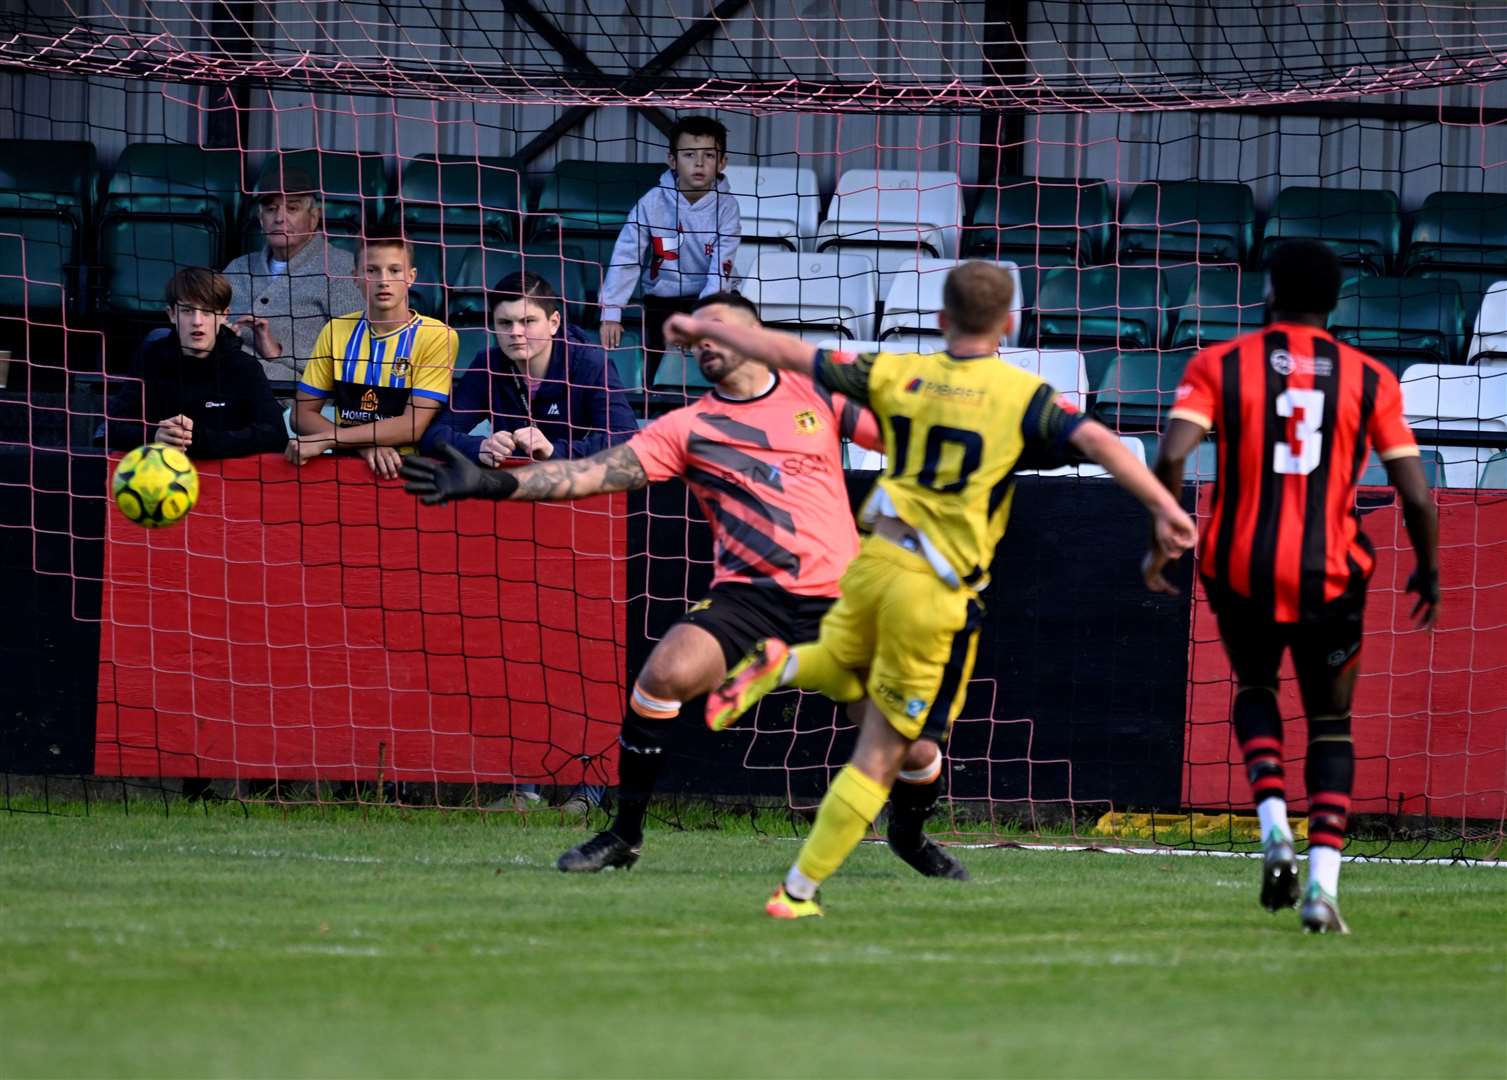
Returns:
point(496, 448)
point(176, 431)
point(385, 461)
point(612, 335)
point(531, 442)
point(267, 346)
point(303, 447)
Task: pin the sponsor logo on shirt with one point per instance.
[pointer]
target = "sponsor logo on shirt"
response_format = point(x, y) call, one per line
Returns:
point(969, 395)
point(1285, 363)
point(369, 400)
point(553, 410)
point(215, 404)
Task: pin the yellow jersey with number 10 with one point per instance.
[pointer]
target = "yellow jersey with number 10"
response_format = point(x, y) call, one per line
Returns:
point(955, 430)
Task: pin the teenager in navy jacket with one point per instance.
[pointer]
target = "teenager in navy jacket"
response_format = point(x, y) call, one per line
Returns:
point(547, 393)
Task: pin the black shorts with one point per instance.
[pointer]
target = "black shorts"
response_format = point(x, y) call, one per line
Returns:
point(740, 615)
point(656, 310)
point(1324, 650)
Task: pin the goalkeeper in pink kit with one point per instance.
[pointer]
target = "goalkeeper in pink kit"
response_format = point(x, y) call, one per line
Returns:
point(763, 455)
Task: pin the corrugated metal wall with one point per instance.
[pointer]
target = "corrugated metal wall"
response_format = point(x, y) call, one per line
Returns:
point(1266, 152)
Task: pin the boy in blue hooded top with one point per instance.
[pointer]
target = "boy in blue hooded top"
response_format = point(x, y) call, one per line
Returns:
point(548, 391)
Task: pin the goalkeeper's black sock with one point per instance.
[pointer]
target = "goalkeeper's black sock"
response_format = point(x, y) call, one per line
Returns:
point(912, 800)
point(641, 756)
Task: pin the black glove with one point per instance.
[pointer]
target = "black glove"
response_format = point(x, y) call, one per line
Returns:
point(1426, 585)
point(456, 477)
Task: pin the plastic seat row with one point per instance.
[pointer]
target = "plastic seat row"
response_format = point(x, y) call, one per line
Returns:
point(1461, 235)
point(169, 205)
point(1398, 320)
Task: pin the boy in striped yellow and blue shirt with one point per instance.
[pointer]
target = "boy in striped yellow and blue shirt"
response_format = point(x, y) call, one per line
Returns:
point(386, 368)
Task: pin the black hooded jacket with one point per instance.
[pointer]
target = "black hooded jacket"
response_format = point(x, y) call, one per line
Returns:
point(225, 393)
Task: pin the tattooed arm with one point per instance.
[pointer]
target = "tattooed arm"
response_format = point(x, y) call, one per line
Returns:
point(616, 468)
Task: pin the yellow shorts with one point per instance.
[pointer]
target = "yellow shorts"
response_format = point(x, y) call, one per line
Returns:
point(916, 636)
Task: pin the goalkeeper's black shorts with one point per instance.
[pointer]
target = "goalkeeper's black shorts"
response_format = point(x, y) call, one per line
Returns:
point(739, 615)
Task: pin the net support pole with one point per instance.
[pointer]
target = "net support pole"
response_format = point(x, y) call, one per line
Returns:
point(573, 55)
point(229, 104)
point(665, 59)
point(1002, 132)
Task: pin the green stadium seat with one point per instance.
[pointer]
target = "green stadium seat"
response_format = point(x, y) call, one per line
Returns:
point(1474, 285)
point(1200, 466)
point(354, 190)
point(479, 269)
point(460, 199)
point(591, 196)
point(46, 199)
point(1461, 236)
point(1363, 226)
point(678, 375)
point(1375, 474)
point(167, 206)
point(1103, 306)
point(1188, 220)
point(1039, 222)
point(627, 359)
point(1459, 230)
point(1139, 388)
point(437, 264)
point(1221, 304)
point(1494, 472)
point(1401, 321)
point(474, 340)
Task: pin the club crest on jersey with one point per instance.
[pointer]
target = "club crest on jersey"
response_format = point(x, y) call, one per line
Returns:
point(402, 366)
point(807, 422)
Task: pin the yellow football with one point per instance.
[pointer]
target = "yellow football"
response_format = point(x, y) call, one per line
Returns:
point(155, 485)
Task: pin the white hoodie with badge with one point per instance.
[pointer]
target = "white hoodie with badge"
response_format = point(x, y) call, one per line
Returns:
point(681, 248)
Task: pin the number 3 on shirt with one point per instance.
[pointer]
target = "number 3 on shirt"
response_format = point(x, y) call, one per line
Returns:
point(1300, 457)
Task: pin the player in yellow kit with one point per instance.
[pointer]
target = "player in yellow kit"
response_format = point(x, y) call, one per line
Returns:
point(956, 426)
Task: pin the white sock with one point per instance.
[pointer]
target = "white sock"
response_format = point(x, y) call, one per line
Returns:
point(791, 666)
point(1324, 868)
point(1273, 815)
point(798, 886)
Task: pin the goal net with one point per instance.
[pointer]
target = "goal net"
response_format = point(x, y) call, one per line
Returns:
point(310, 633)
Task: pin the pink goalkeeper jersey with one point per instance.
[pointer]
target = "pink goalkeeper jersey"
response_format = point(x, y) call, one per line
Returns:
point(768, 474)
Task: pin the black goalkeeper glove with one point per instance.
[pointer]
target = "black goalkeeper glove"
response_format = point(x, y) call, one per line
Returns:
point(455, 477)
point(1426, 585)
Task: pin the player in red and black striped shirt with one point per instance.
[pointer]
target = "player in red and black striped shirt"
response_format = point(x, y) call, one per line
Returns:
point(1294, 414)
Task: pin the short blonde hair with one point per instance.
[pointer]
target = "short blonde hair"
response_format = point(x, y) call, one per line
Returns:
point(977, 296)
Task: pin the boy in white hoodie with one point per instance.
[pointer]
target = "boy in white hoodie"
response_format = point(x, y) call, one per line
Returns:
point(686, 229)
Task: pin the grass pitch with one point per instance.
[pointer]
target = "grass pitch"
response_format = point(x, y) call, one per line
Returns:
point(434, 945)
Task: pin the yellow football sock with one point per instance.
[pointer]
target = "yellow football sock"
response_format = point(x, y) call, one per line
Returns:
point(817, 669)
point(849, 808)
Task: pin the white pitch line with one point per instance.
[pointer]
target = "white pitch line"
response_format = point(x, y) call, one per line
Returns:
point(1117, 850)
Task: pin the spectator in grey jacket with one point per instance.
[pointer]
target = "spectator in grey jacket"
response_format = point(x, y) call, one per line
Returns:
point(284, 294)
